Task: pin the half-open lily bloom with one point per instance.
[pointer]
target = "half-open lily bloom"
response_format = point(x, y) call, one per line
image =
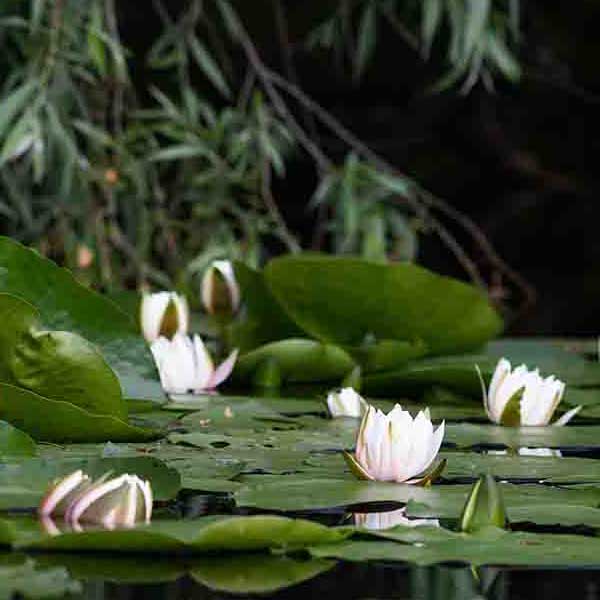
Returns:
point(163, 314)
point(121, 501)
point(523, 397)
point(396, 447)
point(346, 403)
point(377, 521)
point(220, 290)
point(184, 365)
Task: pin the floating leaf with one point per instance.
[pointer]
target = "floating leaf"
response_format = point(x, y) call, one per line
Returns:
point(345, 300)
point(14, 442)
point(299, 360)
point(64, 304)
point(57, 421)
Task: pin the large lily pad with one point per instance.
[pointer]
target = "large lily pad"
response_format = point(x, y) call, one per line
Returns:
point(66, 305)
point(14, 442)
point(266, 321)
point(345, 300)
point(458, 372)
point(293, 493)
point(425, 546)
point(57, 421)
point(56, 364)
point(466, 435)
point(296, 360)
point(207, 534)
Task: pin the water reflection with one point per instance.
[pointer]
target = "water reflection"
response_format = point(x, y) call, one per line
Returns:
point(386, 520)
point(524, 451)
point(103, 577)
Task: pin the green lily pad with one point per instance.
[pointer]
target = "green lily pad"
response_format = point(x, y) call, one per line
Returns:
point(66, 305)
point(14, 442)
point(491, 546)
point(266, 320)
point(458, 372)
point(257, 574)
point(548, 469)
point(293, 493)
point(297, 360)
point(207, 534)
point(345, 300)
point(56, 364)
point(466, 435)
point(57, 421)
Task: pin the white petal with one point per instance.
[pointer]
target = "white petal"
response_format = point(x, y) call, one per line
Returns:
point(223, 371)
point(203, 365)
point(567, 417)
point(507, 388)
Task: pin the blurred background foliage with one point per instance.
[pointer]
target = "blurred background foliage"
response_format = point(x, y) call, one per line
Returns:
point(138, 144)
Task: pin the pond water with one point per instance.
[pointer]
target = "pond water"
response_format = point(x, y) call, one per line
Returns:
point(342, 580)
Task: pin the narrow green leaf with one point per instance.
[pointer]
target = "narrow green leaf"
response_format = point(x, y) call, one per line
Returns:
point(478, 12)
point(430, 21)
point(208, 66)
point(367, 39)
point(14, 102)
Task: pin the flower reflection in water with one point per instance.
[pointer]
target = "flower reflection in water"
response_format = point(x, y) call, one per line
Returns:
point(377, 521)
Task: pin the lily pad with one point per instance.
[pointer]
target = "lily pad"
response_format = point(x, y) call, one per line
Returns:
point(56, 364)
point(56, 421)
point(64, 304)
point(14, 442)
point(491, 546)
point(458, 372)
point(207, 534)
point(292, 493)
point(297, 360)
point(345, 300)
point(266, 321)
point(547, 469)
point(466, 435)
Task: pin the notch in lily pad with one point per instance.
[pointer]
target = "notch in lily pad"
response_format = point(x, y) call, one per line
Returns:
point(484, 506)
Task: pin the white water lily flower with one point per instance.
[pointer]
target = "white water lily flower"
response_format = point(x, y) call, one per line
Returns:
point(346, 403)
point(523, 397)
point(377, 521)
point(163, 314)
point(184, 365)
point(396, 447)
point(121, 501)
point(220, 290)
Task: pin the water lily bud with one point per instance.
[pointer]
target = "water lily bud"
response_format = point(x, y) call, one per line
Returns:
point(119, 502)
point(346, 403)
point(184, 365)
point(522, 397)
point(484, 506)
point(163, 314)
point(396, 447)
point(377, 521)
point(62, 492)
point(220, 290)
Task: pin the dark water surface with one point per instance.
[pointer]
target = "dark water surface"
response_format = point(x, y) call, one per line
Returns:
point(381, 581)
